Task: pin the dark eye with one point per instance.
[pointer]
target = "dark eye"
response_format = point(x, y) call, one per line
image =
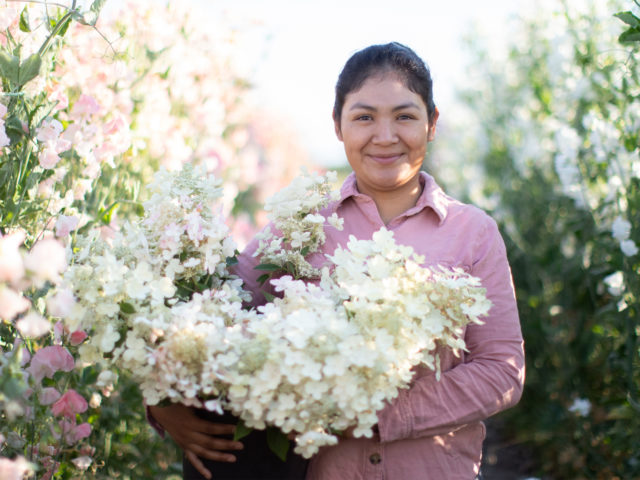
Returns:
point(364, 117)
point(405, 116)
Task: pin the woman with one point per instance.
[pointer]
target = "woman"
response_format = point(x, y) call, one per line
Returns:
point(385, 116)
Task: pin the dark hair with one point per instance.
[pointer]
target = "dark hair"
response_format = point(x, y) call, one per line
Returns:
point(379, 59)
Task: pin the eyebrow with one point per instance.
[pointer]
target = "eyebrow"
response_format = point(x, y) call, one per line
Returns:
point(364, 106)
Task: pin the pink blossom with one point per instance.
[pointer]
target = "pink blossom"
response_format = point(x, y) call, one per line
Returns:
point(77, 337)
point(66, 224)
point(71, 432)
point(58, 332)
point(46, 260)
point(4, 138)
point(8, 16)
point(48, 395)
point(33, 325)
point(11, 266)
point(48, 158)
point(85, 106)
point(61, 304)
point(70, 404)
point(3, 110)
point(49, 131)
point(12, 303)
point(49, 360)
point(15, 469)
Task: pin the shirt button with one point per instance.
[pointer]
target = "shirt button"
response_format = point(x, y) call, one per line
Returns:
point(375, 458)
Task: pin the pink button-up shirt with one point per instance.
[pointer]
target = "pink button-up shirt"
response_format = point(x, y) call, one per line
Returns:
point(434, 429)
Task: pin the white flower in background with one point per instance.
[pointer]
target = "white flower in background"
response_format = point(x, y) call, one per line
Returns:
point(615, 283)
point(621, 229)
point(629, 248)
point(581, 406)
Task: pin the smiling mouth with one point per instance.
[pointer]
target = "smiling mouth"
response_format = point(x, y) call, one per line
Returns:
point(385, 159)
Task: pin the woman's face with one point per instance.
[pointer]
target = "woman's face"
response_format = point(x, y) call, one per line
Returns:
point(385, 129)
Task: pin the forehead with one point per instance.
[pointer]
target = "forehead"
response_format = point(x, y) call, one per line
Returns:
point(382, 89)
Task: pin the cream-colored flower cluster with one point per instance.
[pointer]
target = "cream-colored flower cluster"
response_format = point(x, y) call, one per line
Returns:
point(135, 292)
point(325, 357)
point(298, 226)
point(330, 355)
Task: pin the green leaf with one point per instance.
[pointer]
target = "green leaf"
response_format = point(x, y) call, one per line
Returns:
point(13, 127)
point(105, 215)
point(263, 278)
point(29, 69)
point(268, 267)
point(629, 36)
point(89, 375)
point(278, 443)
point(139, 209)
point(9, 67)
point(127, 308)
point(241, 431)
point(268, 296)
point(24, 20)
point(231, 261)
point(305, 251)
point(628, 18)
point(64, 27)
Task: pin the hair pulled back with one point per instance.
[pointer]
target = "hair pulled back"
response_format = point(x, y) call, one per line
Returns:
point(380, 59)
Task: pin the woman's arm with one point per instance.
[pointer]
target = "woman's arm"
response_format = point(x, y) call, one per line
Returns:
point(491, 377)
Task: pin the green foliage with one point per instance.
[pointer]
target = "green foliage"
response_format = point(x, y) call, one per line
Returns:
point(560, 169)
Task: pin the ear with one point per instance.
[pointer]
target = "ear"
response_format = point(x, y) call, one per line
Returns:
point(431, 129)
point(336, 126)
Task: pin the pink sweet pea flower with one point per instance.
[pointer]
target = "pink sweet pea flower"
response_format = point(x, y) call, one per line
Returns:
point(85, 106)
point(61, 304)
point(33, 325)
point(66, 224)
point(12, 303)
point(49, 131)
point(48, 395)
point(48, 158)
point(46, 260)
point(70, 404)
point(72, 433)
point(11, 266)
point(4, 138)
point(49, 360)
point(15, 469)
point(77, 337)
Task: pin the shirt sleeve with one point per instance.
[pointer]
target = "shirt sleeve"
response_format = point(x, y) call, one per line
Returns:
point(246, 270)
point(491, 376)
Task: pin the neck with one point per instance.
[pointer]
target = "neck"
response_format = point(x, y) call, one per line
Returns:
point(392, 203)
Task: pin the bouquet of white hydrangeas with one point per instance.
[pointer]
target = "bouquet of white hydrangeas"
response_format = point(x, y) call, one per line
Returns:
point(154, 297)
point(159, 302)
point(329, 356)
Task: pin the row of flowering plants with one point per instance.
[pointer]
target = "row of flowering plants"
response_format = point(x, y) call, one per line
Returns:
point(94, 101)
point(557, 151)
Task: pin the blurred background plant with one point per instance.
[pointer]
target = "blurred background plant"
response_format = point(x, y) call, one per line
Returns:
point(91, 107)
point(551, 150)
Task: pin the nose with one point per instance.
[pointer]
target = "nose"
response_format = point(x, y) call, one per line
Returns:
point(384, 133)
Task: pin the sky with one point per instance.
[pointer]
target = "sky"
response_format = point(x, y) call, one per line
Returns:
point(294, 50)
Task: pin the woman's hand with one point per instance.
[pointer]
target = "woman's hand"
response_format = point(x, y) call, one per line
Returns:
point(196, 437)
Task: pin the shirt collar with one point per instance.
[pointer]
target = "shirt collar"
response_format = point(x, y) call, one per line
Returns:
point(432, 196)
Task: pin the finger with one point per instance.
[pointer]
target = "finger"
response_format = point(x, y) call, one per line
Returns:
point(213, 443)
point(216, 428)
point(198, 465)
point(214, 455)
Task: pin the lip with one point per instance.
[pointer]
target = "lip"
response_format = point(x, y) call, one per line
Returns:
point(385, 159)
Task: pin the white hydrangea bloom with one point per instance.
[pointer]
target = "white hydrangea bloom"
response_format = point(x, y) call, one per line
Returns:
point(298, 225)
